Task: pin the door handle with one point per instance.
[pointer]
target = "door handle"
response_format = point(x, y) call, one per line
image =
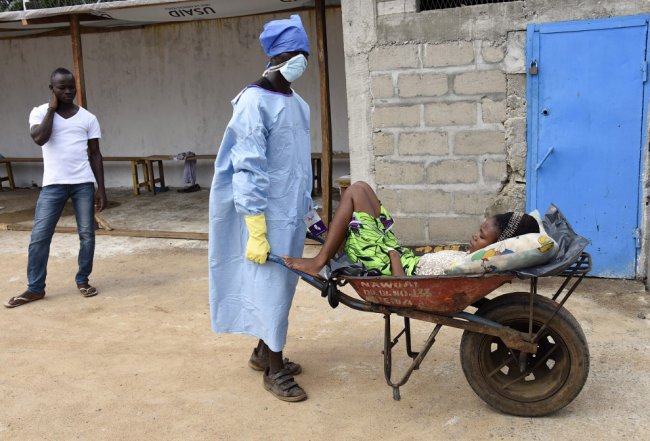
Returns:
point(539, 165)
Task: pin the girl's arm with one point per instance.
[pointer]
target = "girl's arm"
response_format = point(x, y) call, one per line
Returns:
point(396, 268)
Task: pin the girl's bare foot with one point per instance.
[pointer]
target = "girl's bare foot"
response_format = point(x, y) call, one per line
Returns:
point(311, 265)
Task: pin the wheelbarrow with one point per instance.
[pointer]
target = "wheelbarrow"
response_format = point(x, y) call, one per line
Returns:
point(521, 352)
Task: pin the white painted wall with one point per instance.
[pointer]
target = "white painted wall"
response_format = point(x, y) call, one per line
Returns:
point(161, 89)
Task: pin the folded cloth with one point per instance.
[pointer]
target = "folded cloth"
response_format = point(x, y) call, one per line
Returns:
point(189, 169)
point(189, 172)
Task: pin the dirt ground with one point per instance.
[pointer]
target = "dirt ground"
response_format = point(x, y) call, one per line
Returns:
point(139, 361)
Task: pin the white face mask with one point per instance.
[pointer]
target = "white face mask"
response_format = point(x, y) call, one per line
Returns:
point(291, 69)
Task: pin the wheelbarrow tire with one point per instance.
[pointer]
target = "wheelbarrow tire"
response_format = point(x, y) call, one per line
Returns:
point(553, 377)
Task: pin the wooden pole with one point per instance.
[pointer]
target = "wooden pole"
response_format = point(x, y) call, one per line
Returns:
point(325, 111)
point(77, 55)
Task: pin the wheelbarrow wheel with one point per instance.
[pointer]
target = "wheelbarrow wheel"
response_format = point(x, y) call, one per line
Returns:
point(551, 378)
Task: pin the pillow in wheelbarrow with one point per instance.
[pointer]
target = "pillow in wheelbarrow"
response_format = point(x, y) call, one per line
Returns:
point(511, 254)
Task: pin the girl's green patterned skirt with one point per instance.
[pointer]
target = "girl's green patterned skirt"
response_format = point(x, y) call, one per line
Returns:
point(370, 239)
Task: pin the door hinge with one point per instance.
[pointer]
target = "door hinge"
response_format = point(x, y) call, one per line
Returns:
point(637, 237)
point(644, 71)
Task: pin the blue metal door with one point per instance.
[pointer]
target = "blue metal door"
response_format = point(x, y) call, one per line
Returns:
point(586, 128)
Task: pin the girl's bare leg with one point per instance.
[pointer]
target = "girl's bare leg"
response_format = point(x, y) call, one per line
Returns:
point(358, 197)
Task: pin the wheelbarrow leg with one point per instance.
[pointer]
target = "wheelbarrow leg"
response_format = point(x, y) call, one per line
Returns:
point(388, 347)
point(406, 332)
point(407, 329)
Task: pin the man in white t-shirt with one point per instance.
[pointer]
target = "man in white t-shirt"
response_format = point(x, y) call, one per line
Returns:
point(69, 136)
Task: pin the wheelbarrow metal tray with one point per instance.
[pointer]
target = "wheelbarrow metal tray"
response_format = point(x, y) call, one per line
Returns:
point(441, 294)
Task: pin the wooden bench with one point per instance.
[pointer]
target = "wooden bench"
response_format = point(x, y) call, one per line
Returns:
point(149, 164)
point(9, 174)
point(134, 160)
point(316, 167)
point(7, 161)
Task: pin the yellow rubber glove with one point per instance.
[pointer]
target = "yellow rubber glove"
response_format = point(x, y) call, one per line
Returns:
point(257, 247)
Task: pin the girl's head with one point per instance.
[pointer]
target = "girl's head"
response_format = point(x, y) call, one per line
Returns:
point(501, 227)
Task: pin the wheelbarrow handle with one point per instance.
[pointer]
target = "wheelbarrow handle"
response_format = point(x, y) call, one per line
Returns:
point(313, 281)
point(277, 259)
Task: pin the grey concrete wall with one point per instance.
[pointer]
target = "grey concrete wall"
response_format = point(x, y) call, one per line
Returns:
point(161, 89)
point(437, 106)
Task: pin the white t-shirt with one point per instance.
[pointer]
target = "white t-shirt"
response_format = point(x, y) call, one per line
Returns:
point(65, 154)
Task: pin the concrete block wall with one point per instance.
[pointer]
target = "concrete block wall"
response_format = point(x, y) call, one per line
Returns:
point(438, 120)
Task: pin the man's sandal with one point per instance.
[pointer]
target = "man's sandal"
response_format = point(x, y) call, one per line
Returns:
point(282, 386)
point(88, 292)
point(23, 299)
point(258, 363)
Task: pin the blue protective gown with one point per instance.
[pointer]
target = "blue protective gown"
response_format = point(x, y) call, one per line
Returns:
point(263, 166)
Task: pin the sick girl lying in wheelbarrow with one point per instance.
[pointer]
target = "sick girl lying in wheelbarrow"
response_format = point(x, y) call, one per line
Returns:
point(365, 227)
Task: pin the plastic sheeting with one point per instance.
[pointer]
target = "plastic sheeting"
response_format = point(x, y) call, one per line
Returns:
point(570, 245)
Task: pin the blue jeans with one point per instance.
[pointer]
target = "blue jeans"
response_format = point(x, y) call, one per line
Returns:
point(48, 211)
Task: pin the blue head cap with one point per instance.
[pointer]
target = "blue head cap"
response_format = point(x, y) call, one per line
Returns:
point(285, 35)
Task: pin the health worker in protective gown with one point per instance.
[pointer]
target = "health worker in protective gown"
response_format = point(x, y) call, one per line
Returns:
point(260, 193)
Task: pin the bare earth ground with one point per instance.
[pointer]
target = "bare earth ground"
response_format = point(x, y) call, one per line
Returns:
point(139, 361)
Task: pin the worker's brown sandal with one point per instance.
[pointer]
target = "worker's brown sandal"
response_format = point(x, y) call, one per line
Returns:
point(282, 385)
